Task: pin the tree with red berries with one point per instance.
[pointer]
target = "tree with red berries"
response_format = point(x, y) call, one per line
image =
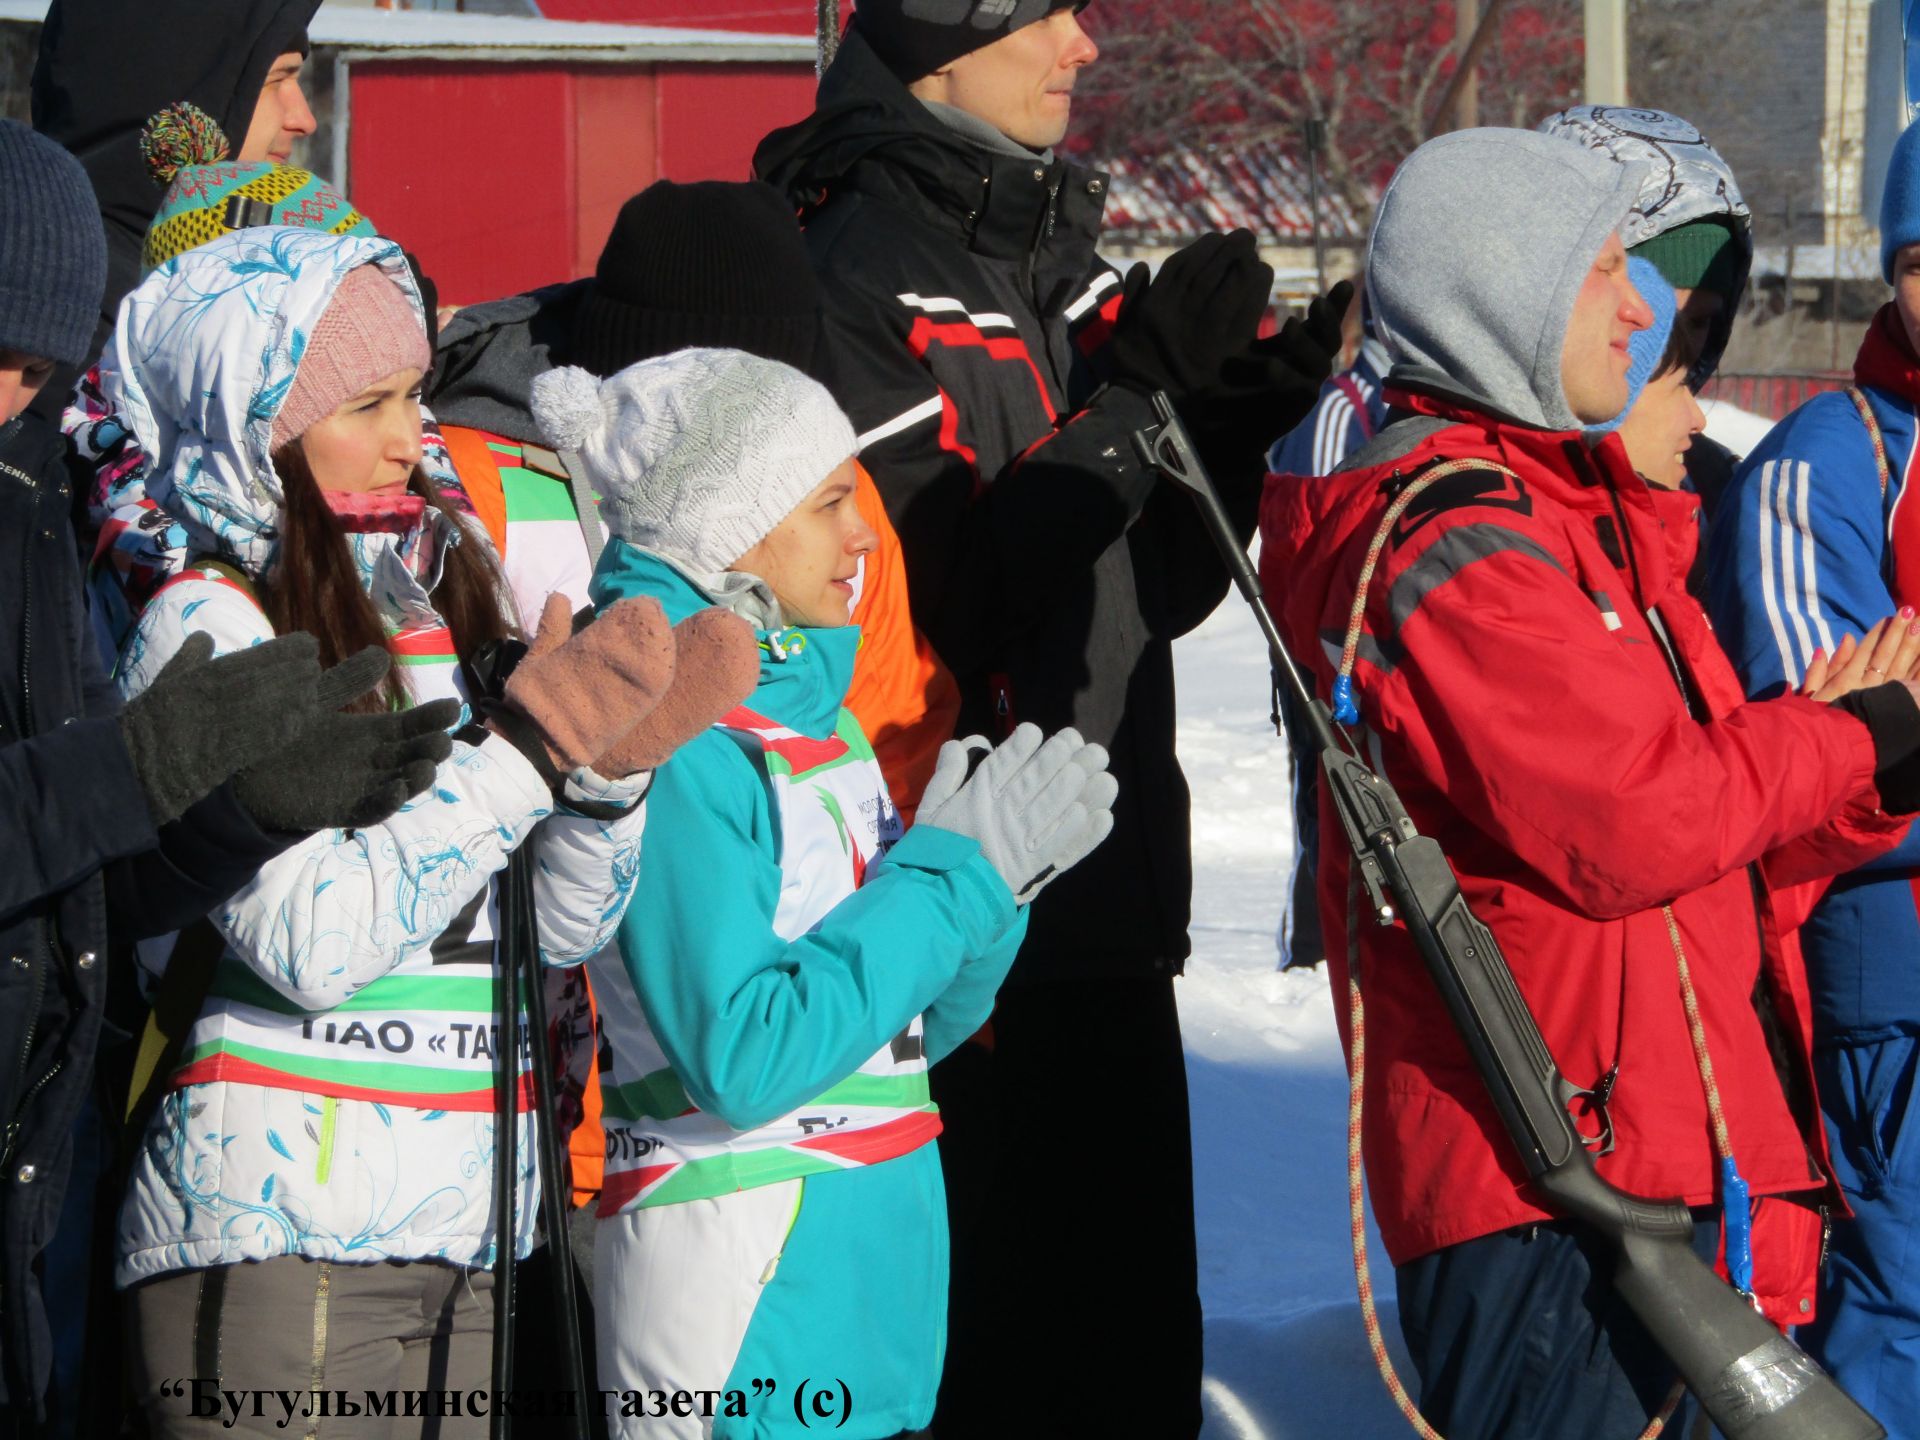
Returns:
point(1196, 74)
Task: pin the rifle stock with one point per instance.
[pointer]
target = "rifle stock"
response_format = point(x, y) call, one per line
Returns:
point(1752, 1380)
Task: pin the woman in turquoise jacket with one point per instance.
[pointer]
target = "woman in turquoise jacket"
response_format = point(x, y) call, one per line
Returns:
point(772, 1237)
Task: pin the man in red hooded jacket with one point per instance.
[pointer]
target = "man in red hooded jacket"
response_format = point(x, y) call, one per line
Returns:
point(1532, 676)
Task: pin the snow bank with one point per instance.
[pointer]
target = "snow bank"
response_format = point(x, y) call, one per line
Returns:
point(1286, 1353)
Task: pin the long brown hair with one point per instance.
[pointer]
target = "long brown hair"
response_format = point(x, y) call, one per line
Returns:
point(314, 585)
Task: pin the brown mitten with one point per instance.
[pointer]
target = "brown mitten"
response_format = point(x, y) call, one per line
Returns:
point(716, 667)
point(583, 692)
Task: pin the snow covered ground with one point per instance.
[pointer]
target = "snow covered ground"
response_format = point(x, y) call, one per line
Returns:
point(1286, 1355)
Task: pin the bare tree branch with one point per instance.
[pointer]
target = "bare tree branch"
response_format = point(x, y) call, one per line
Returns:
point(1190, 75)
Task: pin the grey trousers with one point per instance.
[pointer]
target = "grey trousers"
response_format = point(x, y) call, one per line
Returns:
point(305, 1327)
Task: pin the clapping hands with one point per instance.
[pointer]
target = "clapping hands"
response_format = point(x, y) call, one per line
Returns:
point(1889, 653)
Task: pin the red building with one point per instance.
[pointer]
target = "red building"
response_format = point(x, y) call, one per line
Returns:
point(500, 148)
point(773, 17)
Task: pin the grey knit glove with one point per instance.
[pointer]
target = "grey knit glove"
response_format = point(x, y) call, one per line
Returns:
point(344, 772)
point(1037, 809)
point(202, 720)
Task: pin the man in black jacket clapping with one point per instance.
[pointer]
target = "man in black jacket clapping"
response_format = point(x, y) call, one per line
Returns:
point(997, 370)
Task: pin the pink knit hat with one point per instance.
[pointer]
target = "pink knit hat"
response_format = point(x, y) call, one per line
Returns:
point(369, 331)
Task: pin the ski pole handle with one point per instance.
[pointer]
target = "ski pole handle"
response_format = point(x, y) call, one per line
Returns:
point(1168, 448)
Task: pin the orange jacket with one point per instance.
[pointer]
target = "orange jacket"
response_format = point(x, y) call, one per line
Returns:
point(902, 695)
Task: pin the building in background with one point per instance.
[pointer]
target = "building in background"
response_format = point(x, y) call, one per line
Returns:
point(769, 17)
point(1164, 199)
point(497, 138)
point(1805, 99)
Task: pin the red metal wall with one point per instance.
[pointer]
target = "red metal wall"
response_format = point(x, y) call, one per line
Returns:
point(505, 177)
point(775, 17)
point(713, 116)
point(1774, 396)
point(616, 152)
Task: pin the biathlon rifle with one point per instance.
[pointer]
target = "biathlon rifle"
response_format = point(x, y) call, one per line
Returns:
point(1754, 1382)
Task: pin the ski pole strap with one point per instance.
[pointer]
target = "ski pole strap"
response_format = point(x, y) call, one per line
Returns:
point(1346, 709)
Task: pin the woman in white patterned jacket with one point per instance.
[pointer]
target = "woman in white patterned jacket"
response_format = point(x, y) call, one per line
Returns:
point(333, 1106)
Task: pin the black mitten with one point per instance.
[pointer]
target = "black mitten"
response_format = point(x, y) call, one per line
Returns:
point(1177, 331)
point(204, 720)
point(348, 771)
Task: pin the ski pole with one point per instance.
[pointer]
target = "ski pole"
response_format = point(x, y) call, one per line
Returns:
point(523, 956)
point(506, 1177)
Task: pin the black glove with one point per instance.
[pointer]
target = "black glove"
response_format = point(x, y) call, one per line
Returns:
point(1893, 719)
point(1177, 332)
point(1271, 386)
point(1293, 364)
point(348, 771)
point(202, 721)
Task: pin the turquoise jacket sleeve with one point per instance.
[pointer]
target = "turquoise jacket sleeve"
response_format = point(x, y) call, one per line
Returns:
point(755, 1025)
point(963, 1007)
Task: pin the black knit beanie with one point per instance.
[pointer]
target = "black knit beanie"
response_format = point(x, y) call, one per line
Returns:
point(53, 249)
point(711, 264)
point(916, 37)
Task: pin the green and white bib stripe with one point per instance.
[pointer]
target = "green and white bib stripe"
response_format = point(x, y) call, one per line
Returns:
point(422, 1035)
point(546, 553)
point(662, 1149)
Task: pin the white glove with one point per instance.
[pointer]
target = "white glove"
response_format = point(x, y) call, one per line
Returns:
point(1035, 809)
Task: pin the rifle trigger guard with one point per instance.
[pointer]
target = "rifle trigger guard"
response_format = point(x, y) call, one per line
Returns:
point(1596, 1098)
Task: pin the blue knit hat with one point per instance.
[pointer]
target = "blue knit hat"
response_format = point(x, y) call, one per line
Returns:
point(1648, 345)
point(53, 249)
point(1900, 200)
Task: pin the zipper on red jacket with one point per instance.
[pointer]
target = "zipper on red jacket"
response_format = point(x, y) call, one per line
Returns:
point(1795, 1087)
point(1762, 1001)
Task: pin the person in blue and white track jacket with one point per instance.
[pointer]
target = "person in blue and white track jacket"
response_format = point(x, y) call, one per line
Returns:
point(1816, 541)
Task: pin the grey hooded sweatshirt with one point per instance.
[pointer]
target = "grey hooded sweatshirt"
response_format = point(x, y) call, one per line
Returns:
point(1479, 250)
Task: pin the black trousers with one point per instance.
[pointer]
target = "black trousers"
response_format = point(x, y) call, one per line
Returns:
point(1069, 1163)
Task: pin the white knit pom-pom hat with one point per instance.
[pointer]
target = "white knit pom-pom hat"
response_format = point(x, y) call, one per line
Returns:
point(699, 454)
